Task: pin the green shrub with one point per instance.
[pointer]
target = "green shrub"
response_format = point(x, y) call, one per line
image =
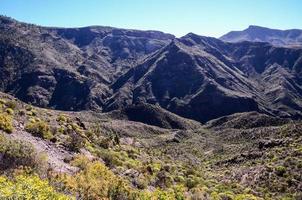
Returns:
point(28, 107)
point(106, 143)
point(16, 153)
point(2, 102)
point(192, 181)
point(75, 142)
point(164, 179)
point(22, 112)
point(11, 104)
point(180, 179)
point(6, 122)
point(62, 118)
point(141, 182)
point(226, 196)
point(9, 111)
point(153, 168)
point(111, 158)
point(39, 129)
point(200, 193)
point(246, 197)
point(30, 111)
point(280, 170)
point(76, 128)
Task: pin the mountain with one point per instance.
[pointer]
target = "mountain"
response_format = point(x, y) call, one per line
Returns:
point(204, 78)
point(276, 37)
point(106, 69)
point(69, 69)
point(101, 113)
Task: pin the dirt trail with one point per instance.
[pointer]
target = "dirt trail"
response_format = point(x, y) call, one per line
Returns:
point(55, 154)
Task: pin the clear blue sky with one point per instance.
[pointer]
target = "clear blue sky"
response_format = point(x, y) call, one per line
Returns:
point(203, 17)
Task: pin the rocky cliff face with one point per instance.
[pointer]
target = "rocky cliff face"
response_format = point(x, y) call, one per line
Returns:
point(105, 68)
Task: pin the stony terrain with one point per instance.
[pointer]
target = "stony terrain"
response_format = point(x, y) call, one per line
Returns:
point(241, 156)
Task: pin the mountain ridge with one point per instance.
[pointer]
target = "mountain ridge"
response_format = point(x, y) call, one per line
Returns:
point(194, 76)
point(277, 37)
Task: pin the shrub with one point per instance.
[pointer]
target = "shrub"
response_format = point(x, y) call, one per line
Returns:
point(11, 104)
point(163, 195)
point(153, 168)
point(141, 182)
point(22, 112)
point(192, 181)
point(30, 111)
point(280, 170)
point(111, 158)
point(199, 193)
point(39, 129)
point(95, 181)
point(62, 118)
point(14, 153)
point(2, 101)
point(6, 122)
point(76, 128)
point(164, 179)
point(245, 197)
point(28, 108)
point(28, 187)
point(226, 196)
point(180, 179)
point(106, 143)
point(9, 111)
point(75, 142)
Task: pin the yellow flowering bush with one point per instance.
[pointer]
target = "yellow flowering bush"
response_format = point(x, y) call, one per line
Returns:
point(40, 129)
point(94, 181)
point(6, 122)
point(28, 187)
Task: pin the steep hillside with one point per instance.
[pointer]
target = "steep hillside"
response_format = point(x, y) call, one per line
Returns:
point(204, 78)
point(106, 69)
point(69, 69)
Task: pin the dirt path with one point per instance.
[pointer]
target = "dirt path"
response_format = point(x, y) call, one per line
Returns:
point(55, 154)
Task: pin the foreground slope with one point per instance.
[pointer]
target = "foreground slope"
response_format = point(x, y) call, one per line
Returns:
point(88, 155)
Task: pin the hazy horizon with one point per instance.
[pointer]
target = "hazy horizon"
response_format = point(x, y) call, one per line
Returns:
point(209, 18)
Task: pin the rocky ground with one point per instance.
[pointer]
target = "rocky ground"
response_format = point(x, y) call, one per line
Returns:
point(247, 156)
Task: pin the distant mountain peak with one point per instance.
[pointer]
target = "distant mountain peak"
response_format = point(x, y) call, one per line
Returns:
point(276, 37)
point(256, 27)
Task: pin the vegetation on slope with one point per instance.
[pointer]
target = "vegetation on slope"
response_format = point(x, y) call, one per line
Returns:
point(23, 186)
point(251, 163)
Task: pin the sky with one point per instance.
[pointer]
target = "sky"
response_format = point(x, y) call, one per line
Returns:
point(179, 17)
